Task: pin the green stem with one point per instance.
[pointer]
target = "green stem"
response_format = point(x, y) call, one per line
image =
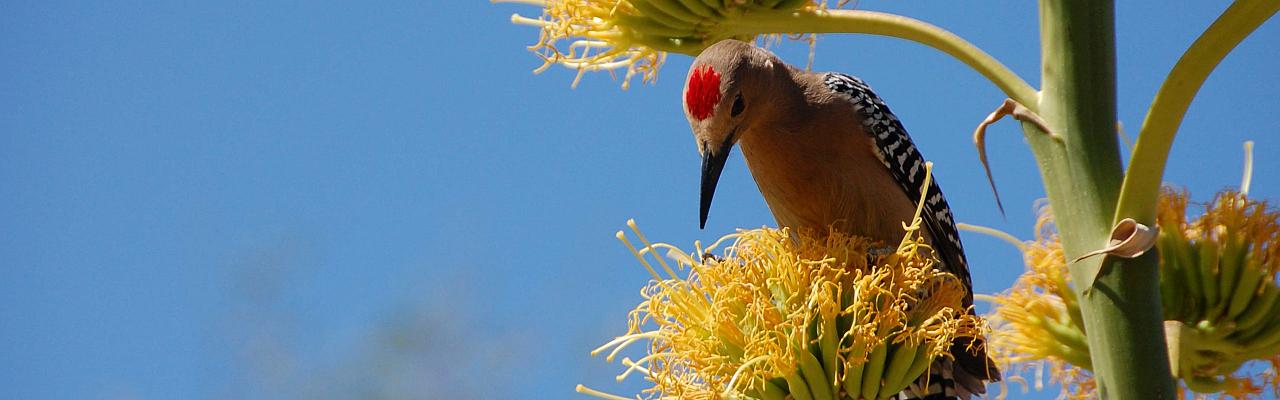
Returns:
point(875, 23)
point(1151, 152)
point(1082, 176)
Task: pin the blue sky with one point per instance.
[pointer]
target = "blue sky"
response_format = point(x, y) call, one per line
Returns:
point(327, 199)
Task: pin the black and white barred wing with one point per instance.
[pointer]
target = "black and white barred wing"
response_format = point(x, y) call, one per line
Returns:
point(894, 148)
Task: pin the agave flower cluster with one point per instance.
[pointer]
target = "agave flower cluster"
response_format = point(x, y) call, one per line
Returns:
point(1220, 300)
point(635, 35)
point(1219, 290)
point(1036, 324)
point(783, 313)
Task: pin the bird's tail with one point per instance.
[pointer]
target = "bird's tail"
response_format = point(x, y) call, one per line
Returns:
point(961, 378)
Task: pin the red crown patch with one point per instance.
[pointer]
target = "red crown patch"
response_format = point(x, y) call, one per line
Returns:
point(703, 93)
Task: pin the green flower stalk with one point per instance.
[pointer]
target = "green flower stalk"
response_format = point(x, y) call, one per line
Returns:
point(795, 314)
point(635, 35)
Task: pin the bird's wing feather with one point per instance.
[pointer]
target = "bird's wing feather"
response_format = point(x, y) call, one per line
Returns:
point(895, 149)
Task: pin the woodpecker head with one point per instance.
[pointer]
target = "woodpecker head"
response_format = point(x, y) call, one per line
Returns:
point(726, 83)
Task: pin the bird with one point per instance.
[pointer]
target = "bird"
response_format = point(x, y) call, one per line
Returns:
point(827, 153)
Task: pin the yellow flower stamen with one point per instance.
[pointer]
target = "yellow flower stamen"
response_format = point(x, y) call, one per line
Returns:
point(1247, 176)
point(635, 36)
point(596, 393)
point(780, 309)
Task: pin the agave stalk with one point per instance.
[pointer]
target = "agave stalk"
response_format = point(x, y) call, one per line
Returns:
point(1082, 175)
point(1120, 298)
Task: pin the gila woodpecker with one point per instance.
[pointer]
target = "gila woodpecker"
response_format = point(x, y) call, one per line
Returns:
point(826, 151)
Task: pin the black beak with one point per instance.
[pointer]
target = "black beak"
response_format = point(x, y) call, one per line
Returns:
point(712, 166)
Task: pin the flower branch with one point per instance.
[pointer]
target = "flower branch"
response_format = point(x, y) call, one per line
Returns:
point(1150, 154)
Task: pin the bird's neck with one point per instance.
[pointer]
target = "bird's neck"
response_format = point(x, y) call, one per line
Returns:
point(792, 97)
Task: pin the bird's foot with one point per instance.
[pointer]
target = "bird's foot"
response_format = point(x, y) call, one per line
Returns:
point(712, 257)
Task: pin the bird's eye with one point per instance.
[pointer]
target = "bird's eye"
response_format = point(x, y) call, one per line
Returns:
point(737, 106)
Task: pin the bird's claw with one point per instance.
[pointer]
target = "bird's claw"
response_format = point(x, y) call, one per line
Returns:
point(708, 256)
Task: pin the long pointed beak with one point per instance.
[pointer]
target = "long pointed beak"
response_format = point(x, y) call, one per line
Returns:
point(712, 166)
